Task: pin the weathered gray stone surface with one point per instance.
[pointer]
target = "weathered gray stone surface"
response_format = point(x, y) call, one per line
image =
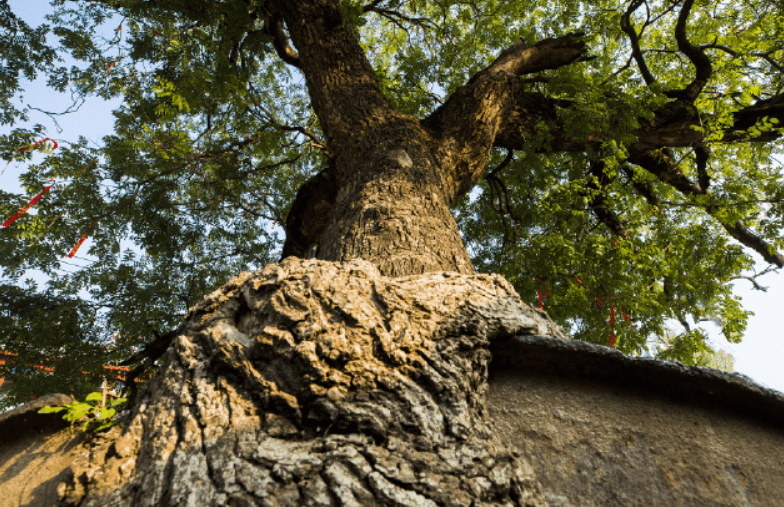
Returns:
point(35, 453)
point(604, 429)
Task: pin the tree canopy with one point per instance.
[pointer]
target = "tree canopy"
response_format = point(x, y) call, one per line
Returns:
point(628, 187)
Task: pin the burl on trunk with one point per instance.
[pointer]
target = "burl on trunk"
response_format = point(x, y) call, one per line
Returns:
point(319, 383)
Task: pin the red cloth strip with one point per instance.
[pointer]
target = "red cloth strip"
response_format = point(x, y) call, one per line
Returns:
point(612, 326)
point(39, 143)
point(78, 244)
point(30, 204)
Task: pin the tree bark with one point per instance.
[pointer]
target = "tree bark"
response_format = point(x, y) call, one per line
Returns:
point(321, 384)
point(394, 177)
point(356, 378)
point(391, 206)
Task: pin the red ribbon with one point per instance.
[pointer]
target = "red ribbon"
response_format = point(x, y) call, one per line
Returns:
point(110, 67)
point(30, 204)
point(39, 143)
point(539, 292)
point(628, 319)
point(78, 244)
point(612, 312)
point(598, 300)
point(612, 326)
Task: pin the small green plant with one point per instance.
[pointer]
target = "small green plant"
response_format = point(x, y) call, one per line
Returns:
point(94, 413)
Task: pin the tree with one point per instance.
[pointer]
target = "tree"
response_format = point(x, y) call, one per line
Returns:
point(623, 155)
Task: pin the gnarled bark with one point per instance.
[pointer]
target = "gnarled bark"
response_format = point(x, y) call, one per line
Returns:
point(319, 383)
point(358, 377)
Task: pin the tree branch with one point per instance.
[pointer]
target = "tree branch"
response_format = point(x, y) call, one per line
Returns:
point(644, 189)
point(273, 25)
point(702, 154)
point(501, 193)
point(699, 59)
point(634, 39)
point(390, 14)
point(598, 203)
point(468, 122)
point(663, 167)
point(751, 240)
point(342, 84)
point(747, 117)
point(671, 126)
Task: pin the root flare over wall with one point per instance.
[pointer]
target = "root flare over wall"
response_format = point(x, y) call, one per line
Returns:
point(318, 383)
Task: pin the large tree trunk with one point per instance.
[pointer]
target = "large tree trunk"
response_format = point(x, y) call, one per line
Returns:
point(358, 377)
point(392, 177)
point(318, 383)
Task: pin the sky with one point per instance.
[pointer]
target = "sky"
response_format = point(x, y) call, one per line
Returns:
point(759, 356)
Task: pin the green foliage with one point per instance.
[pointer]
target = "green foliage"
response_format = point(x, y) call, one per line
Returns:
point(94, 414)
point(211, 144)
point(24, 52)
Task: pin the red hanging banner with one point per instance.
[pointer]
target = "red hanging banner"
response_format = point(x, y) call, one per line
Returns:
point(78, 244)
point(54, 144)
point(539, 291)
point(612, 326)
point(81, 240)
point(600, 303)
point(30, 204)
point(628, 318)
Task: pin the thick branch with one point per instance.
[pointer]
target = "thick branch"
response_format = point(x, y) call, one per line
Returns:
point(155, 349)
point(672, 125)
point(749, 116)
point(273, 25)
point(644, 189)
point(470, 119)
point(519, 59)
point(702, 153)
point(599, 204)
point(634, 39)
point(751, 240)
point(662, 165)
point(342, 84)
point(699, 59)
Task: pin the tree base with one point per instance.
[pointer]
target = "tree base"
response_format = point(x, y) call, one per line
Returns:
point(318, 384)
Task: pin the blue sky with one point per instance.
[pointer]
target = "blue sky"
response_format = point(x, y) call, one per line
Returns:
point(760, 355)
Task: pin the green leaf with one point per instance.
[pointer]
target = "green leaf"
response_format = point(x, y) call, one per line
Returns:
point(96, 396)
point(51, 410)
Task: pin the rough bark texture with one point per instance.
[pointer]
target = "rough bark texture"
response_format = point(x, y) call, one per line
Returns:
point(391, 205)
point(358, 378)
point(393, 176)
point(320, 383)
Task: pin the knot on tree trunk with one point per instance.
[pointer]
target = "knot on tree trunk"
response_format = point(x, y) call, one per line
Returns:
point(319, 383)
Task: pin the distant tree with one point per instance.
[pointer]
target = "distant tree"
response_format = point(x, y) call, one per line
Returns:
point(677, 347)
point(622, 156)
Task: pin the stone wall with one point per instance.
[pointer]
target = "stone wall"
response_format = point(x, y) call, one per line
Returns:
point(35, 453)
point(604, 429)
